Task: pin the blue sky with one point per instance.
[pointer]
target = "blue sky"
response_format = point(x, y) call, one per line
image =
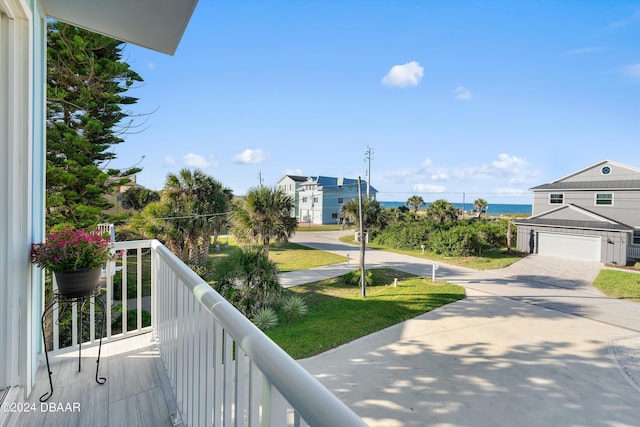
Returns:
point(486, 98)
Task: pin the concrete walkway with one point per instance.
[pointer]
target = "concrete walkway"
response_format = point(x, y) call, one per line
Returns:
point(532, 345)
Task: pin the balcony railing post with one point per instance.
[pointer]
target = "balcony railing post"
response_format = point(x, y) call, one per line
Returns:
point(213, 342)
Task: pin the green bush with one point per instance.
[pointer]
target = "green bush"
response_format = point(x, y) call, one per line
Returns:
point(460, 240)
point(294, 306)
point(265, 318)
point(406, 235)
point(353, 278)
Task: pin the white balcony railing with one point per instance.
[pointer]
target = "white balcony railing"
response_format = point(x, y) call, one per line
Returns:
point(633, 252)
point(126, 293)
point(223, 370)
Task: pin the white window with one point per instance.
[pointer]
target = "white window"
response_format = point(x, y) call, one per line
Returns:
point(556, 198)
point(304, 200)
point(315, 200)
point(636, 237)
point(340, 200)
point(334, 216)
point(604, 199)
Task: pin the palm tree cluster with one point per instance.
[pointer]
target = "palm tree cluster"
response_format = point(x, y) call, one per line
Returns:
point(374, 216)
point(193, 207)
point(263, 215)
point(415, 202)
point(247, 278)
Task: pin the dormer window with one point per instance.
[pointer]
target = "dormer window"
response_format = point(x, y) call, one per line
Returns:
point(556, 198)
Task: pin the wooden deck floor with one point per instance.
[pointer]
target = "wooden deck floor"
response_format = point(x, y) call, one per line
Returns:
point(136, 393)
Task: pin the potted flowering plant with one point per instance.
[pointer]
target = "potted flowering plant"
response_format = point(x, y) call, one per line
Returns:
point(75, 257)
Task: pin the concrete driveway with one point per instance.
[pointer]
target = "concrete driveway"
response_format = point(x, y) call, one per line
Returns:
point(532, 345)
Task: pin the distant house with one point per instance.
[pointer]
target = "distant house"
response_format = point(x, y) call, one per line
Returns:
point(115, 198)
point(318, 199)
point(592, 214)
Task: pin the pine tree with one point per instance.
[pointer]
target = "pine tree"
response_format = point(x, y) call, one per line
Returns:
point(86, 82)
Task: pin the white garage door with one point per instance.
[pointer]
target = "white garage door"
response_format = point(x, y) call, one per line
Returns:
point(586, 248)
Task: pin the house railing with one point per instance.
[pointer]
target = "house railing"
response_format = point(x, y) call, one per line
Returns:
point(633, 252)
point(127, 287)
point(223, 369)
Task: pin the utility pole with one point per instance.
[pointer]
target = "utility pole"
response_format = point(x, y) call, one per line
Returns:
point(260, 178)
point(363, 279)
point(367, 158)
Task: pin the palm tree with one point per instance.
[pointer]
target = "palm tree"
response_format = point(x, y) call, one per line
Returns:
point(247, 278)
point(480, 205)
point(415, 202)
point(184, 218)
point(442, 211)
point(137, 198)
point(373, 214)
point(263, 215)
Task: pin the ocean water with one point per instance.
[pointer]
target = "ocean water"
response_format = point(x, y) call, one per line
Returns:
point(493, 209)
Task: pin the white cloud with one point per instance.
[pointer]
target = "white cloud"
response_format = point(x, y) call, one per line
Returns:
point(508, 163)
point(426, 163)
point(151, 65)
point(250, 156)
point(297, 172)
point(462, 93)
point(511, 191)
point(428, 188)
point(169, 161)
point(584, 50)
point(632, 70)
point(408, 74)
point(440, 177)
point(198, 161)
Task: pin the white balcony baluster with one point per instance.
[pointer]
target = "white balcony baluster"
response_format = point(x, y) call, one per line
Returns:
point(223, 370)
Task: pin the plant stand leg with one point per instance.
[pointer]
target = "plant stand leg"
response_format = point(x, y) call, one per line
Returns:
point(80, 315)
point(100, 380)
point(48, 394)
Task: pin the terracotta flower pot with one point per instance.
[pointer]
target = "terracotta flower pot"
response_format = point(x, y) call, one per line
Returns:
point(77, 283)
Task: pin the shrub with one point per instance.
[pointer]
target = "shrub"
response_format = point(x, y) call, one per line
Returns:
point(406, 235)
point(461, 240)
point(265, 318)
point(294, 306)
point(205, 271)
point(353, 278)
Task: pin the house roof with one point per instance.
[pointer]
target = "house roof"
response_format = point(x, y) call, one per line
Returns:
point(600, 163)
point(631, 184)
point(157, 24)
point(328, 181)
point(572, 216)
point(584, 179)
point(297, 178)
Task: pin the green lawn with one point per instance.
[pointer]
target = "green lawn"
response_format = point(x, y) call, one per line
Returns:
point(488, 261)
point(317, 227)
point(292, 257)
point(288, 257)
point(619, 284)
point(338, 314)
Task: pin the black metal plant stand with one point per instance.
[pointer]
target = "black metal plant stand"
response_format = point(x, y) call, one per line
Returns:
point(59, 298)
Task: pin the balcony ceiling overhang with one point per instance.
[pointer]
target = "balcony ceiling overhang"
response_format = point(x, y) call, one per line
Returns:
point(155, 24)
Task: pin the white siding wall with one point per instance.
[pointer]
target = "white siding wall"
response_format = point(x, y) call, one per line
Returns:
point(21, 137)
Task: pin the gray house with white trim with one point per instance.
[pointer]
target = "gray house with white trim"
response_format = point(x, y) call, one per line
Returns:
point(592, 214)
